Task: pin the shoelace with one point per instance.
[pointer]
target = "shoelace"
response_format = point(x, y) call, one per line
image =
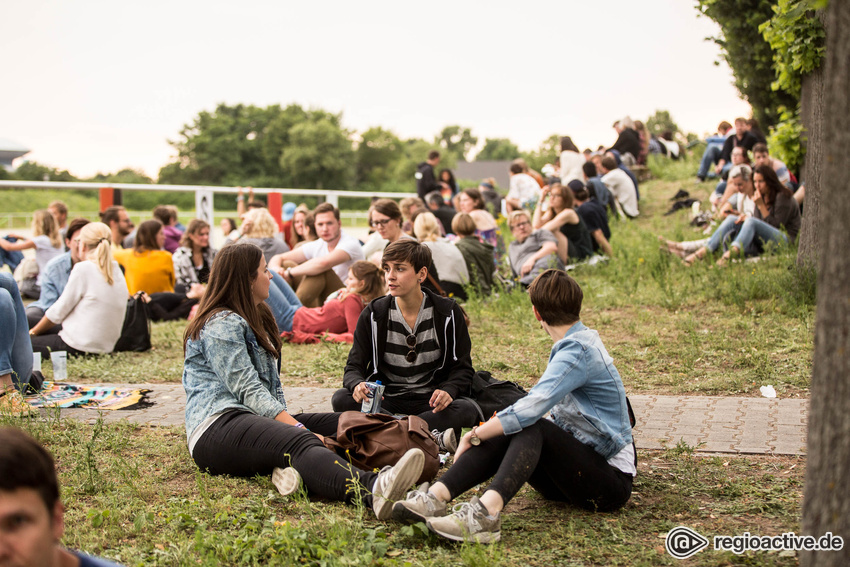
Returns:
point(419, 496)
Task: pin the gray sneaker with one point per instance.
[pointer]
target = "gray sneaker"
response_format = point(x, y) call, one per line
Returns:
point(392, 482)
point(446, 440)
point(287, 480)
point(468, 521)
point(418, 507)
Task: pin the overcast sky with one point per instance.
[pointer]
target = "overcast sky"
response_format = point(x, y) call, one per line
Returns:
point(101, 85)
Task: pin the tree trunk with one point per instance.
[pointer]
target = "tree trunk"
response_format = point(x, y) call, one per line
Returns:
point(826, 506)
point(811, 115)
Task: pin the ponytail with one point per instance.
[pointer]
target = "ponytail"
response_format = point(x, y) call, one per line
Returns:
point(96, 236)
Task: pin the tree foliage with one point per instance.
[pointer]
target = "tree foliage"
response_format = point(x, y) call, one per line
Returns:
point(545, 153)
point(661, 122)
point(749, 55)
point(456, 141)
point(377, 154)
point(497, 149)
point(34, 171)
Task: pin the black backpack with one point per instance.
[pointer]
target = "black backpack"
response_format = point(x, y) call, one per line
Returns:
point(490, 395)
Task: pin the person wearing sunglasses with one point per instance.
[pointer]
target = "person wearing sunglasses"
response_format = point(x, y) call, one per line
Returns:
point(417, 344)
point(532, 252)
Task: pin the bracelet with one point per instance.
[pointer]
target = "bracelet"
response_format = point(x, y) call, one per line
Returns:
point(240, 198)
point(300, 425)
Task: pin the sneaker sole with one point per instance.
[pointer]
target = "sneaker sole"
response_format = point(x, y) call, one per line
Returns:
point(451, 443)
point(484, 537)
point(287, 481)
point(402, 513)
point(407, 470)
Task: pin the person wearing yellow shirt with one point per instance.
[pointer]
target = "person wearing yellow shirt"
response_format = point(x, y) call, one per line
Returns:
point(147, 267)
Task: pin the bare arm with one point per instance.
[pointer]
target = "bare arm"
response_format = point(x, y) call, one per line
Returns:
point(42, 326)
point(600, 239)
point(564, 217)
point(322, 264)
point(19, 245)
point(297, 256)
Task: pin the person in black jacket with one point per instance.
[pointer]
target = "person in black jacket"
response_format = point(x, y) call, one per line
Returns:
point(426, 181)
point(416, 343)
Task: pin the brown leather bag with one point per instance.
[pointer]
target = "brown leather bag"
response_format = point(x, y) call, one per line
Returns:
point(375, 440)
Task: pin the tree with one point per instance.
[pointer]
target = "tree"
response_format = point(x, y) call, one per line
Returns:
point(377, 154)
point(456, 141)
point(546, 152)
point(497, 149)
point(126, 175)
point(749, 55)
point(826, 504)
point(34, 171)
point(319, 156)
point(661, 122)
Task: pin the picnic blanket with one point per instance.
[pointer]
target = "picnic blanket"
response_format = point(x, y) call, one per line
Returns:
point(64, 395)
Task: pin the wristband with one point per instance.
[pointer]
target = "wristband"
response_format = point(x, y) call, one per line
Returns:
point(300, 425)
point(240, 198)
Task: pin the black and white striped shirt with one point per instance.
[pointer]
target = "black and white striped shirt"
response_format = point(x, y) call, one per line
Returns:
point(411, 377)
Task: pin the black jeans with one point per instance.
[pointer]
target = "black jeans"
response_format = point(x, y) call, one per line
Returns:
point(165, 306)
point(459, 414)
point(555, 463)
point(240, 443)
point(51, 342)
point(34, 315)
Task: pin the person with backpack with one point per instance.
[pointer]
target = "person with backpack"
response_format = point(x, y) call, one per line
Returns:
point(583, 454)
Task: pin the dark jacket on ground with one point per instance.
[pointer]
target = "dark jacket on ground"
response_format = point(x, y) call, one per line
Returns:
point(426, 181)
point(370, 342)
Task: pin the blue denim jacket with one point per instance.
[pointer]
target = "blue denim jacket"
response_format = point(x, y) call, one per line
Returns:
point(53, 281)
point(227, 369)
point(584, 392)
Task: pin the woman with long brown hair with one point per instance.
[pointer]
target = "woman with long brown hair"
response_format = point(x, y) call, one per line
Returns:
point(237, 421)
point(574, 241)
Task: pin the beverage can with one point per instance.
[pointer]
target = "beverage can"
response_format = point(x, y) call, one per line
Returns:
point(374, 394)
point(60, 365)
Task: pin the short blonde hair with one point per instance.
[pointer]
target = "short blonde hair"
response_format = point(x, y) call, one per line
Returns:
point(263, 225)
point(427, 227)
point(463, 225)
point(515, 215)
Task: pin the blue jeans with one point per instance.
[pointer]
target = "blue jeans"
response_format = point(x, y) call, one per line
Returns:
point(283, 302)
point(15, 345)
point(755, 228)
point(709, 158)
point(11, 257)
point(727, 226)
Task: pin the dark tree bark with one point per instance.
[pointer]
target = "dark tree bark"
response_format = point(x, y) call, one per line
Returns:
point(811, 114)
point(826, 506)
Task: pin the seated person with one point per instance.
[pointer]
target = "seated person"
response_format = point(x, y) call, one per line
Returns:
point(259, 228)
point(147, 267)
point(720, 196)
point(47, 243)
point(56, 274)
point(574, 241)
point(478, 255)
point(415, 343)
point(15, 349)
point(409, 206)
point(471, 202)
point(441, 210)
point(524, 191)
point(316, 269)
point(337, 318)
point(92, 306)
point(532, 252)
point(742, 138)
point(596, 187)
point(761, 156)
point(570, 438)
point(167, 215)
point(194, 258)
point(237, 421)
point(713, 148)
point(621, 187)
point(446, 257)
point(31, 513)
point(595, 219)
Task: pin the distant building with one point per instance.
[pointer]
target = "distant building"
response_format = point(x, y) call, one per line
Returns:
point(478, 170)
point(9, 152)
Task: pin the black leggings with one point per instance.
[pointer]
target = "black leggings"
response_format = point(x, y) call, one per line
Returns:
point(459, 414)
point(165, 306)
point(240, 443)
point(52, 342)
point(555, 463)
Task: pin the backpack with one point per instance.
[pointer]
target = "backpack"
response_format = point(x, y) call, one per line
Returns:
point(490, 395)
point(374, 440)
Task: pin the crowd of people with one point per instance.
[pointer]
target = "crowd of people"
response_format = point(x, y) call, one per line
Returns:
point(394, 297)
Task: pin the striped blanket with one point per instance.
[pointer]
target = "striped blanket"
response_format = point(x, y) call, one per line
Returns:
point(92, 397)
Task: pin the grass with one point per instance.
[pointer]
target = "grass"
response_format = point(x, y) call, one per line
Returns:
point(133, 493)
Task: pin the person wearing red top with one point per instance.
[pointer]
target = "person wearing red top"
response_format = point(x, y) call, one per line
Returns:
point(337, 318)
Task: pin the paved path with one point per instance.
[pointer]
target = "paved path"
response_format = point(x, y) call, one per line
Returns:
point(710, 424)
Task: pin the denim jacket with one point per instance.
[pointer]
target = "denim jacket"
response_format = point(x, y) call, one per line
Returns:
point(227, 369)
point(584, 392)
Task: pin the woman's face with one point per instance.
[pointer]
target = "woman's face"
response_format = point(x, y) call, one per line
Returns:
point(262, 281)
point(467, 205)
point(225, 226)
point(556, 198)
point(298, 224)
point(160, 239)
point(445, 176)
point(387, 227)
point(200, 239)
point(402, 279)
point(352, 284)
point(760, 184)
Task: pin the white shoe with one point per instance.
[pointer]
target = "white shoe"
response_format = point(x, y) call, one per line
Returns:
point(393, 482)
point(287, 481)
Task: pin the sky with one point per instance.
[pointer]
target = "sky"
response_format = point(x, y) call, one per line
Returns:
point(96, 86)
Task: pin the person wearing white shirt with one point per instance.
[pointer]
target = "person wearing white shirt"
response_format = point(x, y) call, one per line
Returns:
point(621, 187)
point(524, 191)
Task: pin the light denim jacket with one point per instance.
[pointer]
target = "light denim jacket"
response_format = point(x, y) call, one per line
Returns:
point(584, 392)
point(227, 369)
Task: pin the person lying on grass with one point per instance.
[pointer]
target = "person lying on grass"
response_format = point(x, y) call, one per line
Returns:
point(337, 318)
point(237, 422)
point(583, 454)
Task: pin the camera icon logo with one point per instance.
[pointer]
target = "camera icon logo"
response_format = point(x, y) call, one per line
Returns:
point(682, 542)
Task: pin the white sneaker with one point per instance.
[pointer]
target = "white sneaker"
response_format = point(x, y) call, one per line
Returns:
point(393, 482)
point(287, 481)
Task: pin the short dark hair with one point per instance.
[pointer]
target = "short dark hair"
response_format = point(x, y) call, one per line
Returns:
point(434, 198)
point(407, 250)
point(724, 127)
point(164, 214)
point(433, 154)
point(589, 169)
point(760, 149)
point(74, 226)
point(24, 463)
point(516, 168)
point(110, 214)
point(581, 194)
point(557, 297)
point(609, 163)
point(326, 208)
point(386, 207)
point(60, 207)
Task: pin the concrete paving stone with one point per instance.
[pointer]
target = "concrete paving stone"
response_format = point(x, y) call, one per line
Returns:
point(755, 450)
point(716, 446)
